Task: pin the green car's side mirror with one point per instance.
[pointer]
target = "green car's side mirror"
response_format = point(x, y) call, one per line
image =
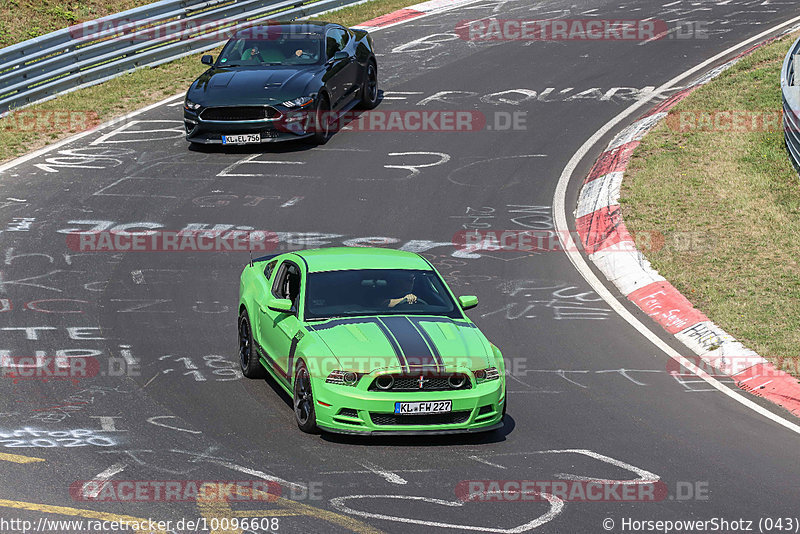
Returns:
point(468, 302)
point(207, 59)
point(280, 305)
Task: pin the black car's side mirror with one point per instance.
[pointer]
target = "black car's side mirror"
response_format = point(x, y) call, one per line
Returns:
point(338, 56)
point(207, 59)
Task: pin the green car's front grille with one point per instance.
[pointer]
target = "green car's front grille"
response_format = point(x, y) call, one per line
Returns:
point(412, 383)
point(389, 419)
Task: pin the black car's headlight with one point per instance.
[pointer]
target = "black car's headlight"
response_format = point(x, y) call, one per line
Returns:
point(298, 102)
point(188, 104)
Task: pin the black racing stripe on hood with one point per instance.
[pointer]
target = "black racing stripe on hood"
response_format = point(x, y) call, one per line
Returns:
point(366, 320)
point(431, 344)
point(415, 350)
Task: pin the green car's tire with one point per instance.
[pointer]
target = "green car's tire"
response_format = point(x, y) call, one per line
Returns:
point(369, 91)
point(303, 400)
point(505, 403)
point(248, 359)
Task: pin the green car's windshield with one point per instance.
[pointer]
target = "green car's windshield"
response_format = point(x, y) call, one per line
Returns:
point(289, 49)
point(377, 292)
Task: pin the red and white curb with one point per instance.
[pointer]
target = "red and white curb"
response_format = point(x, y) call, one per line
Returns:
point(610, 246)
point(412, 12)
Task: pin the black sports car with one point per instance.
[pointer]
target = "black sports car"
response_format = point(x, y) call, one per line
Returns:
point(281, 81)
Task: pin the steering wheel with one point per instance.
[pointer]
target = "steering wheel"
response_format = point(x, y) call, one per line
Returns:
point(419, 301)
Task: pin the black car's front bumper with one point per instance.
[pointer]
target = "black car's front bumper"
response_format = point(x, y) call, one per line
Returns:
point(271, 130)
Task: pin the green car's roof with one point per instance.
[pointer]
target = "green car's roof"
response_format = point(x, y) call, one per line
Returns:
point(344, 258)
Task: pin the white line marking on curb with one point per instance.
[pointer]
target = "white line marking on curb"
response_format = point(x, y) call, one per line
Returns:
point(92, 488)
point(394, 478)
point(562, 229)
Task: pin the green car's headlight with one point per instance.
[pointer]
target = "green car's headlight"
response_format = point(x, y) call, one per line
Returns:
point(482, 375)
point(298, 102)
point(345, 378)
point(188, 104)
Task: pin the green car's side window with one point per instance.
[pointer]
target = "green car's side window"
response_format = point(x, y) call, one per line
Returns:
point(287, 283)
point(269, 269)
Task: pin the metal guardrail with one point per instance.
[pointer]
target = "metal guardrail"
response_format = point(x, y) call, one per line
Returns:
point(790, 88)
point(95, 51)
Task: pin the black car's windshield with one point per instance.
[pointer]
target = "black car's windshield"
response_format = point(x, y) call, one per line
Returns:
point(377, 292)
point(282, 49)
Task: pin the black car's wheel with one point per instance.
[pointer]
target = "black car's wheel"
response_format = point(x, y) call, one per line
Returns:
point(322, 121)
point(248, 359)
point(369, 91)
point(304, 412)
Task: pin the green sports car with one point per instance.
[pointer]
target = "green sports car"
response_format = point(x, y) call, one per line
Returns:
point(368, 341)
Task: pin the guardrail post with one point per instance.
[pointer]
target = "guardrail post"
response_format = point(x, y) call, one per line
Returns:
point(796, 70)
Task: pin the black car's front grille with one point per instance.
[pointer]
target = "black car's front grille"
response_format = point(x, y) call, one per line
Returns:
point(429, 383)
point(239, 113)
point(389, 419)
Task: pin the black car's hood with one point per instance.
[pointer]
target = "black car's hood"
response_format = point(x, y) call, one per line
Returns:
point(252, 85)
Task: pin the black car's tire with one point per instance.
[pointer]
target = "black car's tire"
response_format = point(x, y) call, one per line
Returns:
point(369, 89)
point(322, 121)
point(303, 400)
point(248, 359)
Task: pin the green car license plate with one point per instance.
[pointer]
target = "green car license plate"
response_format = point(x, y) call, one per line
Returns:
point(402, 408)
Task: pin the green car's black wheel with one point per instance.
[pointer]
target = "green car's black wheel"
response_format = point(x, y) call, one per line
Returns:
point(505, 403)
point(322, 121)
point(369, 91)
point(304, 412)
point(248, 359)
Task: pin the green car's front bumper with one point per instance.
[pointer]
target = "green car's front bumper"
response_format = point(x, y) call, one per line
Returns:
point(356, 410)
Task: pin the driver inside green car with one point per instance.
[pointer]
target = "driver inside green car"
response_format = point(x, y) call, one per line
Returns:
point(403, 285)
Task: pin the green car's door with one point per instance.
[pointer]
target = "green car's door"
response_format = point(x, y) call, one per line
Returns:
point(278, 328)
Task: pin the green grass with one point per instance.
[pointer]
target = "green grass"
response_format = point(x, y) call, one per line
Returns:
point(25, 19)
point(738, 197)
point(140, 88)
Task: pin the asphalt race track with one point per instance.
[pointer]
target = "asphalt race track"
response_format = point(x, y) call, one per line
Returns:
point(589, 396)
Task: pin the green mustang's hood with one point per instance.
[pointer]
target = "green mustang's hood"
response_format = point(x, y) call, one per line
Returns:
point(365, 344)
